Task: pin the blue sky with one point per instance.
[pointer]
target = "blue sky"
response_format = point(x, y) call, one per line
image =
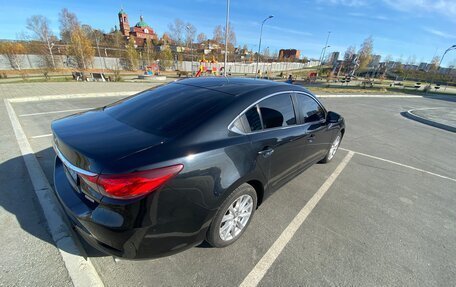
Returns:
point(400, 28)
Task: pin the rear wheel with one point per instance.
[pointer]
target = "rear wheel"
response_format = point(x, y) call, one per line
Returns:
point(334, 147)
point(233, 217)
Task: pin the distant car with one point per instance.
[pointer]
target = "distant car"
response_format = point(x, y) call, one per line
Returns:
point(170, 167)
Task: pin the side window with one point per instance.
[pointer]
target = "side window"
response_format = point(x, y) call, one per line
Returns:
point(277, 111)
point(253, 119)
point(311, 110)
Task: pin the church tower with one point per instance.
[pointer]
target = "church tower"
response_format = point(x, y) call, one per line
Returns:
point(123, 23)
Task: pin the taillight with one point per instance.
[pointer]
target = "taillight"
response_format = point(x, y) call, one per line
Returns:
point(131, 185)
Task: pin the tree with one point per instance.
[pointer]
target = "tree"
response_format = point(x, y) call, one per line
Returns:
point(349, 56)
point(411, 60)
point(68, 22)
point(266, 53)
point(132, 55)
point(39, 25)
point(231, 35)
point(166, 57)
point(81, 48)
point(77, 36)
point(435, 62)
point(218, 34)
point(176, 31)
point(13, 52)
point(201, 38)
point(149, 50)
point(117, 41)
point(365, 53)
point(190, 32)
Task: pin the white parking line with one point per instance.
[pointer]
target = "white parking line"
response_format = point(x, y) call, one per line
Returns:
point(71, 96)
point(81, 271)
point(55, 112)
point(400, 164)
point(260, 269)
point(41, 136)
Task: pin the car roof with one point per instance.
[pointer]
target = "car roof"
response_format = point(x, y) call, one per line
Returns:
point(233, 86)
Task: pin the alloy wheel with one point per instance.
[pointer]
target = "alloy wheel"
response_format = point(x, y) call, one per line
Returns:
point(334, 147)
point(236, 217)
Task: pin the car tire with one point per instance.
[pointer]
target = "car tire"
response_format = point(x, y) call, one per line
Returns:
point(232, 215)
point(333, 149)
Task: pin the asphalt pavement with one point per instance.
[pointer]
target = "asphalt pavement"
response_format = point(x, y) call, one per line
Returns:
point(387, 219)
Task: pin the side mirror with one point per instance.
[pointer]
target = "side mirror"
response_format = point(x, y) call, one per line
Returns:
point(333, 118)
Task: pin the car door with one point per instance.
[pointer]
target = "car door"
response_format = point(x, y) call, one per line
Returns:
point(280, 141)
point(313, 117)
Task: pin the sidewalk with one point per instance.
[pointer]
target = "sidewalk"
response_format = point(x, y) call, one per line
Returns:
point(444, 118)
point(40, 89)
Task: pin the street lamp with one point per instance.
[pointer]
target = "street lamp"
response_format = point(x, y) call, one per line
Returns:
point(259, 45)
point(322, 55)
point(191, 46)
point(323, 51)
point(441, 59)
point(226, 35)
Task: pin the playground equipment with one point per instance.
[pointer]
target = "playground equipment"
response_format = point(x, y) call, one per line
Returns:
point(206, 67)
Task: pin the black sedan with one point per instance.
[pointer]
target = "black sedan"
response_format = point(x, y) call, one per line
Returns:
point(170, 167)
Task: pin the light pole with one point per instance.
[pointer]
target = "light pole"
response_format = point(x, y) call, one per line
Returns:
point(259, 45)
point(226, 35)
point(191, 47)
point(322, 55)
point(323, 51)
point(441, 59)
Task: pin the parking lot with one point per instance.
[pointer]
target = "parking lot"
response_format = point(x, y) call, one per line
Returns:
point(384, 215)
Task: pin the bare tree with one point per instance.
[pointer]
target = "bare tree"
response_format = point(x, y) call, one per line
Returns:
point(201, 38)
point(218, 34)
point(231, 35)
point(435, 62)
point(348, 59)
point(68, 22)
point(190, 32)
point(365, 52)
point(176, 31)
point(411, 60)
point(78, 37)
point(39, 25)
point(266, 53)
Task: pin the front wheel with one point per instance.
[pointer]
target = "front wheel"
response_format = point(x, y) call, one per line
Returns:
point(332, 151)
point(233, 217)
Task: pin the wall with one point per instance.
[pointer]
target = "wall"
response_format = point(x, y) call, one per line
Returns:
point(35, 62)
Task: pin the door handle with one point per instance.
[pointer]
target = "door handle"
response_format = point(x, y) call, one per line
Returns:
point(266, 152)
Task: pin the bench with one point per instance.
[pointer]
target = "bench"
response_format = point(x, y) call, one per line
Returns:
point(99, 77)
point(78, 76)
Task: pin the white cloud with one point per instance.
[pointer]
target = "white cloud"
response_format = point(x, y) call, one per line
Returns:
point(439, 33)
point(445, 7)
point(350, 3)
point(287, 30)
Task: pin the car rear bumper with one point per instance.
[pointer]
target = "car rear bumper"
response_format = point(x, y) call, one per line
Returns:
point(135, 230)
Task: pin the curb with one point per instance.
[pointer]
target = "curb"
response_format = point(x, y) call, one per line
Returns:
point(409, 114)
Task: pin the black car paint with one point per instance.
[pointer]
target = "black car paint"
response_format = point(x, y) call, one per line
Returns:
point(216, 161)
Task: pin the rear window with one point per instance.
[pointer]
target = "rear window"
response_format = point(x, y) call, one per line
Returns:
point(169, 109)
